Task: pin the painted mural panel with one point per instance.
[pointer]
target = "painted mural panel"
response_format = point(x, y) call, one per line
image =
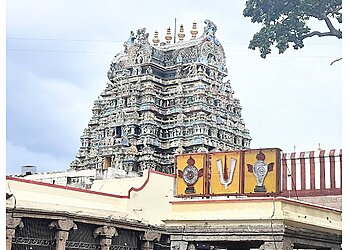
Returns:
point(225, 172)
point(262, 171)
point(190, 171)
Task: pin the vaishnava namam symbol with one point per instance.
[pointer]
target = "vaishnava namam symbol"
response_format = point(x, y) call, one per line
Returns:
point(225, 178)
point(260, 170)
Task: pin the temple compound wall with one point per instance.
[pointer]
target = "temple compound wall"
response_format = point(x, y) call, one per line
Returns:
point(145, 213)
point(50, 216)
point(312, 176)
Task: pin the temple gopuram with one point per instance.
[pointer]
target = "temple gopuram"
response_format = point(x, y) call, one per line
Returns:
point(169, 122)
point(160, 100)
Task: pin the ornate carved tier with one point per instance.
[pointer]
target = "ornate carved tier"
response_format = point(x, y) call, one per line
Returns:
point(161, 99)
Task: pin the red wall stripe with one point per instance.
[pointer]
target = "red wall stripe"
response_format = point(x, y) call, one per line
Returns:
point(302, 166)
point(312, 169)
point(66, 187)
point(323, 157)
point(293, 163)
point(284, 172)
point(322, 170)
point(132, 189)
point(332, 163)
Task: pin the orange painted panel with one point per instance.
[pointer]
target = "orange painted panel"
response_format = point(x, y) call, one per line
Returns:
point(225, 172)
point(262, 171)
point(190, 172)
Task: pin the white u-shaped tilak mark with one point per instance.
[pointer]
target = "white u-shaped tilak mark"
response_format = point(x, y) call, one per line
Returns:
point(220, 170)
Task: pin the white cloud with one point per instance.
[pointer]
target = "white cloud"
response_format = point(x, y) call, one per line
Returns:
point(42, 115)
point(19, 155)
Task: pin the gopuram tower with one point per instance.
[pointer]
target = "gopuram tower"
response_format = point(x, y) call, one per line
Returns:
point(160, 100)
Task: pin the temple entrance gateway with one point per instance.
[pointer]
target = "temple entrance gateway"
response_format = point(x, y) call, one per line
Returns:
point(163, 99)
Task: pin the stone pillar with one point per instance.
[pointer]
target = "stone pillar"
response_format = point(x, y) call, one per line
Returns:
point(63, 226)
point(11, 224)
point(148, 240)
point(61, 237)
point(10, 234)
point(280, 245)
point(105, 233)
point(178, 245)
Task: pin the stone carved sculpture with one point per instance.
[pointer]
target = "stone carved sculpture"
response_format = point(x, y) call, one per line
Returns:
point(210, 31)
point(187, 79)
point(106, 231)
point(129, 42)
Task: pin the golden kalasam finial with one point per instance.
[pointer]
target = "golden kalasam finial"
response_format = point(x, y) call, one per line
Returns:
point(155, 39)
point(181, 34)
point(194, 30)
point(168, 35)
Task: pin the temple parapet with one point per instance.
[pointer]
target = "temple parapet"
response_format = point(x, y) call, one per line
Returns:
point(185, 58)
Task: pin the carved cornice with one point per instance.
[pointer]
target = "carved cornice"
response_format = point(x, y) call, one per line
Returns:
point(13, 222)
point(105, 231)
point(151, 236)
point(63, 225)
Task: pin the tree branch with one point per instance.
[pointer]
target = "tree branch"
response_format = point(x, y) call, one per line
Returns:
point(331, 28)
point(336, 60)
point(332, 31)
point(315, 33)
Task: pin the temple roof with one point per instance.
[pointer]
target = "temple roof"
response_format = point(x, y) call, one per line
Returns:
point(206, 50)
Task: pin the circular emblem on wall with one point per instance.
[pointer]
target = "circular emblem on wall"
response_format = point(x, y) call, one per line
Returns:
point(190, 175)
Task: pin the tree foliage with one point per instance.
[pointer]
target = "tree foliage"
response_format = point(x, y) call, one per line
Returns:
point(285, 22)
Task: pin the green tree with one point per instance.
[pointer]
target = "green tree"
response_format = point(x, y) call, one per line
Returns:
point(285, 22)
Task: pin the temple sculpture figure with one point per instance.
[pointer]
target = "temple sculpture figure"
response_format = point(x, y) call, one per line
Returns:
point(160, 100)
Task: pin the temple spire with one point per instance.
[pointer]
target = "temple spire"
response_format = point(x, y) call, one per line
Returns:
point(155, 39)
point(181, 34)
point(194, 30)
point(168, 36)
point(153, 74)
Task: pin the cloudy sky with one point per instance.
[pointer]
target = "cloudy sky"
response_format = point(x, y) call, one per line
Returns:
point(58, 53)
